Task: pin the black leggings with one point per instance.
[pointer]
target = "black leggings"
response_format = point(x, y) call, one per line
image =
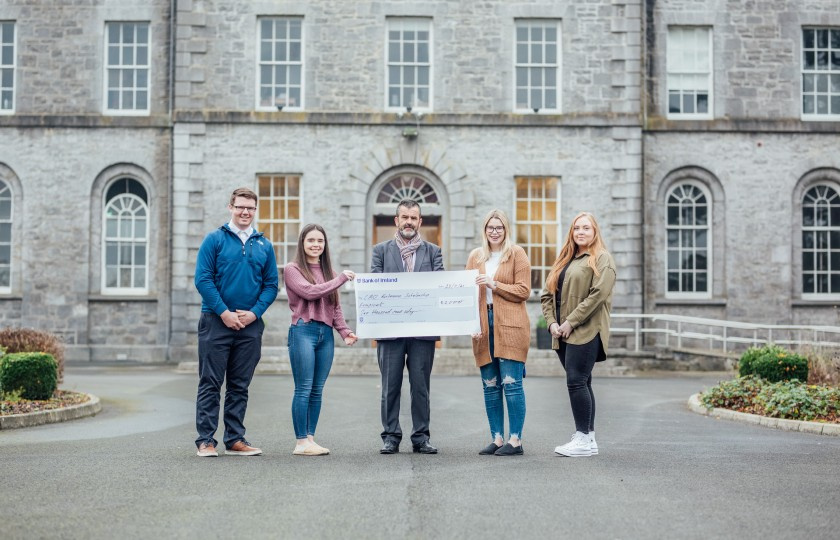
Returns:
point(578, 361)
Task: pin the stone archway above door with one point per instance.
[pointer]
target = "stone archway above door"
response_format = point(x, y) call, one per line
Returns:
point(358, 202)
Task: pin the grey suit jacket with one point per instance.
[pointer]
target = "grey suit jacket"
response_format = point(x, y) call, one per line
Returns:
point(386, 258)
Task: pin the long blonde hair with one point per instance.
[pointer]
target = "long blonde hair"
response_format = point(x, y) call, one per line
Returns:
point(483, 252)
point(569, 250)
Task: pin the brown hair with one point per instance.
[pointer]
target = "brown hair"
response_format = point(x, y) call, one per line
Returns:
point(408, 204)
point(248, 193)
point(323, 259)
point(569, 250)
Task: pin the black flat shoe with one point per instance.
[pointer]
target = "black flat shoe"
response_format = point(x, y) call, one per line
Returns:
point(425, 448)
point(390, 447)
point(490, 449)
point(509, 450)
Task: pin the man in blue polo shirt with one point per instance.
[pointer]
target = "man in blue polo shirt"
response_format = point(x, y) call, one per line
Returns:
point(236, 275)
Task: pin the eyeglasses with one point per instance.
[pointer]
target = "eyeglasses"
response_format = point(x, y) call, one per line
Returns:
point(495, 229)
point(249, 209)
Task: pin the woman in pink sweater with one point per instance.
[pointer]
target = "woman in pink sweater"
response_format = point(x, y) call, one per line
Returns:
point(313, 298)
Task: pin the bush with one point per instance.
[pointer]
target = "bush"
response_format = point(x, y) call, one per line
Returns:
point(541, 323)
point(34, 375)
point(792, 399)
point(16, 340)
point(785, 399)
point(774, 364)
point(735, 394)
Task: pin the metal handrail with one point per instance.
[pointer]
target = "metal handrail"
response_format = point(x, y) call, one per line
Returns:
point(719, 334)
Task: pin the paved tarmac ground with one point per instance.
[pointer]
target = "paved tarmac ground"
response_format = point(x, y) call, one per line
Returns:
point(663, 472)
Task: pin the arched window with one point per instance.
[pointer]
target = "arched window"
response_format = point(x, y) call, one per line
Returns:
point(688, 241)
point(407, 186)
point(5, 237)
point(125, 238)
point(821, 242)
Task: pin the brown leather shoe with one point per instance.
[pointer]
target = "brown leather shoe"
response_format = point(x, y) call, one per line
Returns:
point(242, 448)
point(207, 450)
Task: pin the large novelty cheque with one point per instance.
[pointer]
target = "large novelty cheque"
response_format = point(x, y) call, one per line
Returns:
point(414, 304)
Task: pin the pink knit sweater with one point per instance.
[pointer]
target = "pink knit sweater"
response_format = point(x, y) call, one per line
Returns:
point(309, 301)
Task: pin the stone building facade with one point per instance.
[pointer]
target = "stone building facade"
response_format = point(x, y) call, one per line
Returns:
point(128, 123)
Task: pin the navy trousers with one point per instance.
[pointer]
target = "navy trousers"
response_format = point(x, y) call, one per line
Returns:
point(225, 354)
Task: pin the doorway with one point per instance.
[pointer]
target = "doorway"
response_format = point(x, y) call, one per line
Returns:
point(384, 229)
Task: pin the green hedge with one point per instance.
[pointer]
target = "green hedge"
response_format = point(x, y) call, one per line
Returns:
point(34, 375)
point(773, 363)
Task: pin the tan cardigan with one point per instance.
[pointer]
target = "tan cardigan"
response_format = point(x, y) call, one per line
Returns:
point(511, 327)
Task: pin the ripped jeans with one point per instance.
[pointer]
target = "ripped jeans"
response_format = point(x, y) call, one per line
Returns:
point(499, 377)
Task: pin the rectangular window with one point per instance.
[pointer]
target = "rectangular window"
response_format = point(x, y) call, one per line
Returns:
point(689, 52)
point(536, 222)
point(820, 73)
point(7, 67)
point(127, 68)
point(279, 213)
point(537, 66)
point(409, 64)
point(280, 63)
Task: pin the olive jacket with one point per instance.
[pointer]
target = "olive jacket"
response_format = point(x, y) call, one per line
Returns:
point(585, 301)
point(511, 326)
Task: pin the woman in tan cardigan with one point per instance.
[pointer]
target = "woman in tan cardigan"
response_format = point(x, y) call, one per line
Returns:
point(502, 346)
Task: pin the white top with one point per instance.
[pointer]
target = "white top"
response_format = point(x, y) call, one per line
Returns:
point(491, 266)
point(243, 235)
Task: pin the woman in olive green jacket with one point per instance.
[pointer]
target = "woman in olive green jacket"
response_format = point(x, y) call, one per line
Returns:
point(576, 302)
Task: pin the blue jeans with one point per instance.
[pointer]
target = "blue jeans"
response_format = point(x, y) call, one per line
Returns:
point(311, 348)
point(499, 377)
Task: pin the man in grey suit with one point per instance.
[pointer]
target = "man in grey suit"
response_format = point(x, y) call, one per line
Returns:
point(406, 252)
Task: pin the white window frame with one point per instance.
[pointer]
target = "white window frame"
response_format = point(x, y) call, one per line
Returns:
point(6, 192)
point(127, 291)
point(416, 24)
point(265, 201)
point(680, 228)
point(121, 67)
point(831, 76)
point(675, 67)
point(828, 229)
point(547, 223)
point(543, 65)
point(12, 66)
point(285, 64)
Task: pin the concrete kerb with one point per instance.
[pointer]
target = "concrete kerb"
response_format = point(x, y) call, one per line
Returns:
point(89, 408)
point(816, 428)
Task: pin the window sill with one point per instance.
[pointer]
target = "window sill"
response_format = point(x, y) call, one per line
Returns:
point(828, 302)
point(712, 302)
point(10, 296)
point(121, 298)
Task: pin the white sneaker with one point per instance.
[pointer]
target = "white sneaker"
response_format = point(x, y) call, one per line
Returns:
point(592, 443)
point(579, 446)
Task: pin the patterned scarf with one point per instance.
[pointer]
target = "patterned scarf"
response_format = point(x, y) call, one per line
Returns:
point(407, 249)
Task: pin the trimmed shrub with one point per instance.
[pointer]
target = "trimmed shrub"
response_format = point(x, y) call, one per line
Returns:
point(16, 340)
point(774, 364)
point(34, 375)
point(747, 361)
